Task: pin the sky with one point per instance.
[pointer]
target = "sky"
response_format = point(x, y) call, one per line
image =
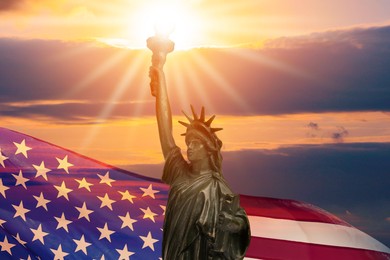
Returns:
point(301, 89)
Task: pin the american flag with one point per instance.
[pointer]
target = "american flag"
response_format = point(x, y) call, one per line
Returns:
point(56, 204)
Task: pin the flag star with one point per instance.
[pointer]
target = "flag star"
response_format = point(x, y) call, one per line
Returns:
point(20, 211)
point(148, 213)
point(20, 241)
point(6, 246)
point(106, 179)
point(149, 191)
point(3, 188)
point(58, 253)
point(84, 212)
point(124, 253)
point(149, 241)
point(2, 159)
point(41, 201)
point(127, 221)
point(22, 148)
point(105, 232)
point(81, 245)
point(39, 234)
point(163, 208)
point(2, 221)
point(84, 184)
point(106, 201)
point(127, 196)
point(63, 222)
point(20, 180)
point(63, 191)
point(64, 164)
point(41, 170)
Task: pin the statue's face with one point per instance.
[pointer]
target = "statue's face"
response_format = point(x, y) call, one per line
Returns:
point(196, 150)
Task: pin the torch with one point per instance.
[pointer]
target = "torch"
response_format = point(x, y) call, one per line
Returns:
point(160, 45)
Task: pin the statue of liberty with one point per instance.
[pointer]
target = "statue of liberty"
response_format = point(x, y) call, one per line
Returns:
point(203, 219)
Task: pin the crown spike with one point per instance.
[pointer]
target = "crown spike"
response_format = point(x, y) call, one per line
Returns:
point(208, 123)
point(189, 118)
point(194, 113)
point(184, 123)
point(202, 115)
point(215, 129)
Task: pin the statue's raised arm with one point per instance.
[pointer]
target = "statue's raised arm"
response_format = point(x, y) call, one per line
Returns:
point(161, 47)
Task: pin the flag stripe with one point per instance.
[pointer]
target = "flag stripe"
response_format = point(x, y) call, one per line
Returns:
point(314, 233)
point(287, 209)
point(264, 248)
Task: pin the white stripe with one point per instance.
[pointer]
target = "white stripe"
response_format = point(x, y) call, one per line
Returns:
point(314, 233)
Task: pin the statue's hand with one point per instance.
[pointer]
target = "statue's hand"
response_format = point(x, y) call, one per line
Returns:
point(229, 222)
point(154, 74)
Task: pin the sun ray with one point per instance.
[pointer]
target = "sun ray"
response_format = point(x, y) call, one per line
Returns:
point(204, 65)
point(197, 86)
point(124, 84)
point(258, 58)
point(179, 81)
point(144, 95)
point(98, 72)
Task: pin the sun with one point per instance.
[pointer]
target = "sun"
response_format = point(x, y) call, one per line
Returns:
point(182, 21)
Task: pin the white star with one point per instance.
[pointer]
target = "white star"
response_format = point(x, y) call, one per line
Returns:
point(17, 237)
point(41, 170)
point(20, 211)
point(106, 179)
point(148, 214)
point(124, 253)
point(6, 246)
point(3, 188)
point(127, 196)
point(63, 222)
point(2, 159)
point(39, 234)
point(163, 208)
point(2, 221)
point(41, 201)
point(106, 201)
point(105, 232)
point(64, 164)
point(84, 184)
point(22, 148)
point(58, 253)
point(63, 191)
point(20, 180)
point(81, 244)
point(84, 212)
point(148, 241)
point(149, 191)
point(127, 221)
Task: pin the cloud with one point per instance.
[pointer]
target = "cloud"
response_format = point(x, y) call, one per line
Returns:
point(10, 4)
point(313, 129)
point(326, 73)
point(313, 126)
point(340, 134)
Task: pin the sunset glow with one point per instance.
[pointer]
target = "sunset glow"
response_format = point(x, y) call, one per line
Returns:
point(300, 88)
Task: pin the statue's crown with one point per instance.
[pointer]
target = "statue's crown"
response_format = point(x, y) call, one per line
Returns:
point(200, 128)
point(199, 123)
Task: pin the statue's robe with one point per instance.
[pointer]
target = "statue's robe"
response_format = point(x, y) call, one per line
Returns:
point(192, 213)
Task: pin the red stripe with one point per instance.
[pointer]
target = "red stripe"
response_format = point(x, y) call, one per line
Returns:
point(268, 249)
point(287, 209)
